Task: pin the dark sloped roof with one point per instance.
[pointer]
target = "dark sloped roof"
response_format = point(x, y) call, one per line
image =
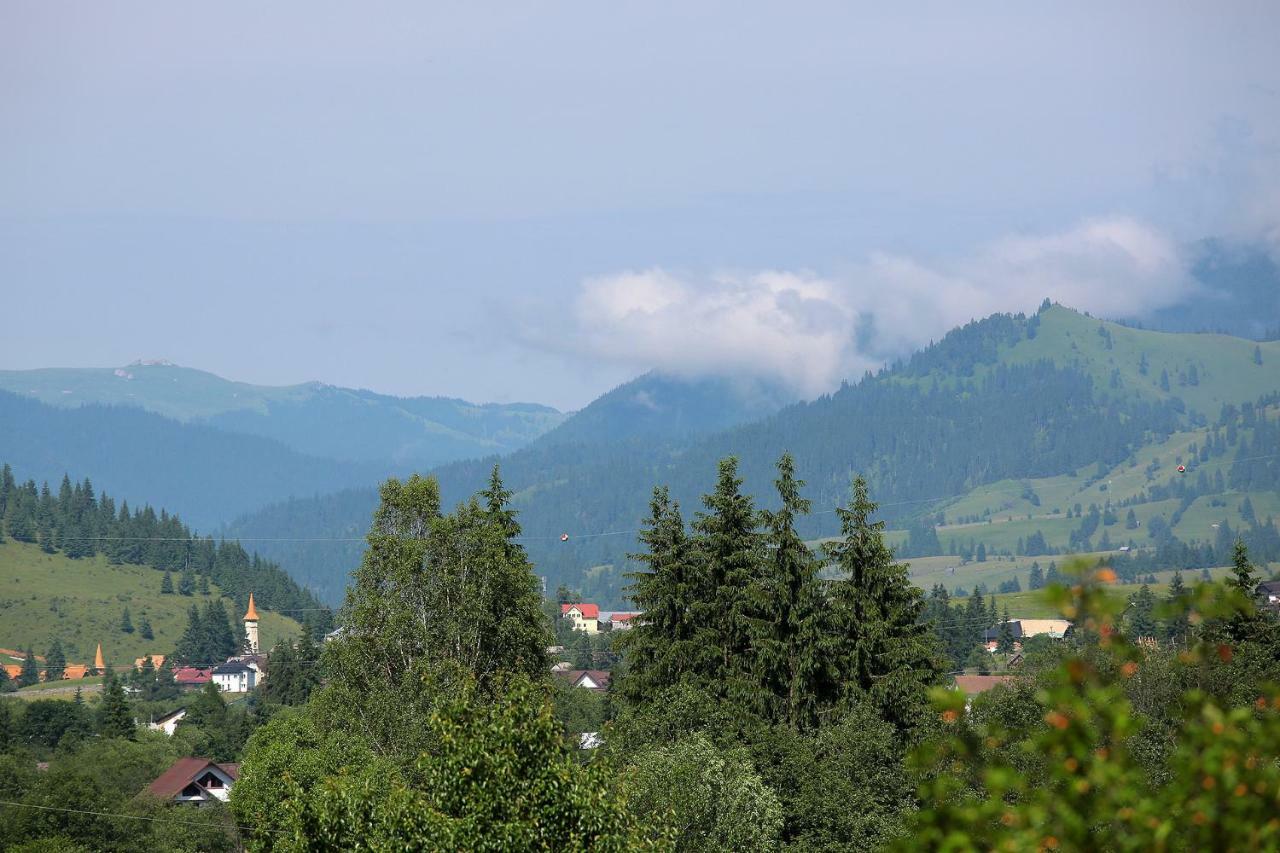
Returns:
point(231, 668)
point(183, 772)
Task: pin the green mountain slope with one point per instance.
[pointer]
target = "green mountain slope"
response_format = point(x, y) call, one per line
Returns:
point(1009, 397)
point(44, 597)
point(311, 418)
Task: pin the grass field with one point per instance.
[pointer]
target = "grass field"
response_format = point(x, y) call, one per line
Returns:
point(48, 596)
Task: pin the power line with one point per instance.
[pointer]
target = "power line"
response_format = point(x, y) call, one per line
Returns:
point(139, 817)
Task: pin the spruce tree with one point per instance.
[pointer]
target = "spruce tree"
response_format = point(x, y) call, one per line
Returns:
point(204, 584)
point(663, 645)
point(1242, 577)
point(144, 629)
point(1142, 622)
point(1179, 626)
point(126, 623)
point(191, 646)
point(114, 718)
point(879, 645)
point(166, 583)
point(30, 673)
point(55, 662)
point(788, 631)
point(1004, 640)
point(187, 583)
point(729, 545)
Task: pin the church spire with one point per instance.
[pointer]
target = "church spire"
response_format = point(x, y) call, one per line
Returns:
point(98, 663)
point(252, 614)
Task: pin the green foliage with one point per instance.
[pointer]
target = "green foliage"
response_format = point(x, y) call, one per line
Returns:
point(437, 598)
point(497, 779)
point(126, 623)
point(1120, 760)
point(710, 800)
point(86, 800)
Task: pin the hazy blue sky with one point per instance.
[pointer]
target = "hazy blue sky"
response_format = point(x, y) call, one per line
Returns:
point(539, 200)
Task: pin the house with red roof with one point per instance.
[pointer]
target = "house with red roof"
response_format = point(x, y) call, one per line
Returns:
point(191, 677)
point(195, 780)
point(582, 616)
point(619, 620)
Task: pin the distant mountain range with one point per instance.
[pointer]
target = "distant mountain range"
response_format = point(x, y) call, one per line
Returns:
point(1003, 398)
point(315, 419)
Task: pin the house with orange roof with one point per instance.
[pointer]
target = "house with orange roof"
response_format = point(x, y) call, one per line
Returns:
point(156, 660)
point(75, 670)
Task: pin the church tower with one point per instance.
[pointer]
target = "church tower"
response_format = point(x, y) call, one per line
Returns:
point(251, 627)
point(98, 663)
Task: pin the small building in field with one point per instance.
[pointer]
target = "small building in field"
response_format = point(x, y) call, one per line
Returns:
point(582, 616)
point(1021, 629)
point(234, 677)
point(195, 780)
point(168, 723)
point(1269, 594)
point(192, 677)
point(75, 671)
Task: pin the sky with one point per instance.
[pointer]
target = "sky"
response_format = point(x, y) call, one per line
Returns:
point(539, 201)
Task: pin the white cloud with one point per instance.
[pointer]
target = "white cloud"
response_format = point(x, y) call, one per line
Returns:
point(812, 331)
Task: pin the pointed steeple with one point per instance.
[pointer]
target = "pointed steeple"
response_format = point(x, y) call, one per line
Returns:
point(98, 663)
point(252, 614)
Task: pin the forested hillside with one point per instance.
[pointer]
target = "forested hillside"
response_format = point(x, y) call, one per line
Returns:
point(312, 418)
point(78, 522)
point(1008, 397)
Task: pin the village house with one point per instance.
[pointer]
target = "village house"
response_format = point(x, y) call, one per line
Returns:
point(195, 780)
point(157, 661)
point(191, 677)
point(972, 685)
point(234, 677)
point(588, 679)
point(168, 723)
point(582, 616)
point(618, 620)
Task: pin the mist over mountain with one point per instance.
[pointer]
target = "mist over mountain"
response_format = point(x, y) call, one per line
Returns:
point(1238, 293)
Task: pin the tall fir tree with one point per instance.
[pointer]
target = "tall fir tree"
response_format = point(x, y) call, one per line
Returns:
point(730, 546)
point(126, 623)
point(664, 644)
point(114, 717)
point(881, 647)
point(789, 627)
point(55, 662)
point(166, 583)
point(30, 673)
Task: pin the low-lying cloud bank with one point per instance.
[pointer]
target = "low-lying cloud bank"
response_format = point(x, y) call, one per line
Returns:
point(812, 331)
